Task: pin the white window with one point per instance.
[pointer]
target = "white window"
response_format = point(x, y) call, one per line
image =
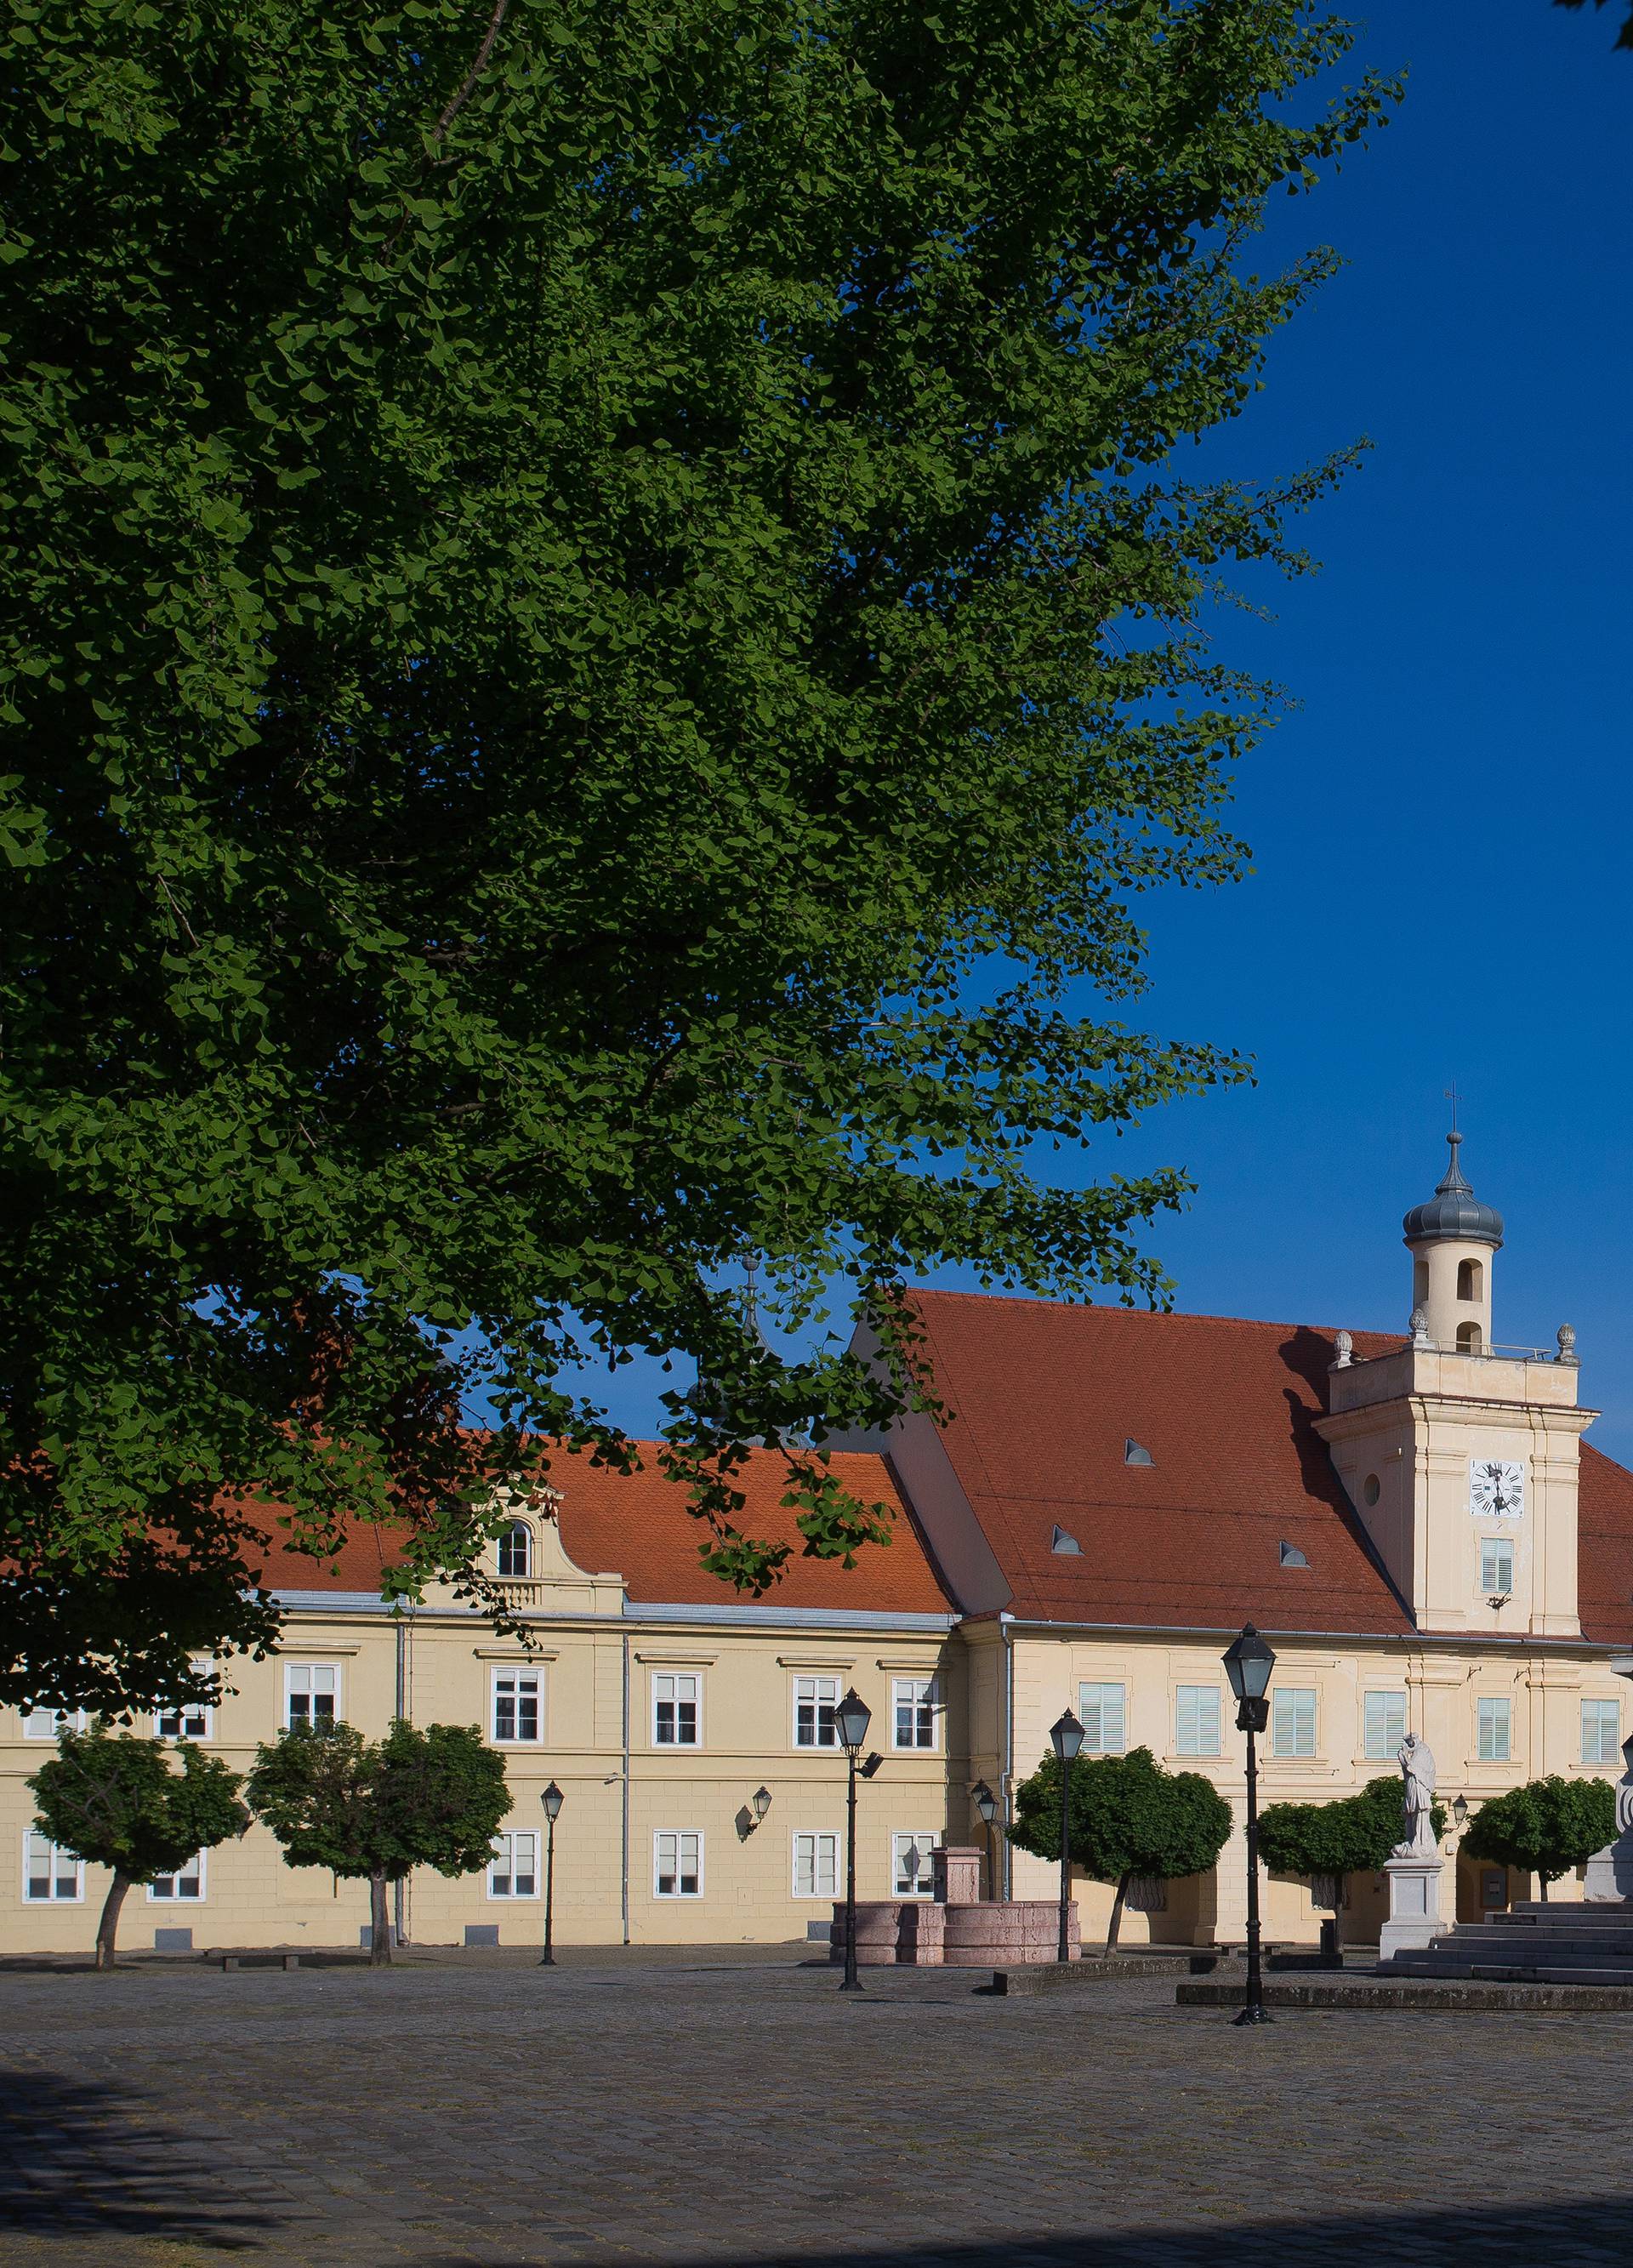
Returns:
point(46, 1724)
point(188, 1720)
point(915, 1712)
point(1383, 1724)
point(311, 1692)
point(1494, 1722)
point(1497, 1565)
point(1104, 1717)
point(678, 1863)
point(910, 1867)
point(816, 1866)
point(516, 1549)
point(1292, 1721)
point(676, 1696)
point(1602, 1728)
point(50, 1876)
point(516, 1711)
point(1196, 1720)
point(186, 1886)
point(513, 1869)
point(815, 1700)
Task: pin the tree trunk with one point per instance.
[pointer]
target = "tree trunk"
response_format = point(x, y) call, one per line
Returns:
point(1543, 1880)
point(1116, 1929)
point(107, 1928)
point(380, 1929)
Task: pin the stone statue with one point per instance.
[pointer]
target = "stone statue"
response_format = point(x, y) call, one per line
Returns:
point(1624, 1791)
point(1416, 1760)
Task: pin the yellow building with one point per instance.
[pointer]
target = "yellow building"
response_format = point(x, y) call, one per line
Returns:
point(1412, 1521)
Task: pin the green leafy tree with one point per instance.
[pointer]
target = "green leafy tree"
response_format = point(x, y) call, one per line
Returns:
point(599, 636)
point(115, 1801)
point(1126, 1816)
point(373, 1811)
point(1352, 1836)
point(1624, 37)
point(1545, 1828)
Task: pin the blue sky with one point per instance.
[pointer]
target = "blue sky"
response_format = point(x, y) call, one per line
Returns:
point(1440, 827)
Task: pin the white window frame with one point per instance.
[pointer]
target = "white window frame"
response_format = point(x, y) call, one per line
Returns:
point(824, 1694)
point(923, 1884)
point(59, 1720)
point(1385, 1696)
point(31, 1836)
point(1493, 1550)
point(921, 1697)
point(674, 1679)
point(1288, 1715)
point(510, 1838)
point(200, 1712)
point(816, 1837)
point(511, 1575)
point(1179, 1691)
point(1502, 1713)
point(1092, 1715)
point(1606, 1712)
point(516, 1673)
point(679, 1837)
point(193, 1869)
point(295, 1669)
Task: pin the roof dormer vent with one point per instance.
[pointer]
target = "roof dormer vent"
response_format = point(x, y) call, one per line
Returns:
point(1135, 1453)
point(1067, 1544)
point(1291, 1556)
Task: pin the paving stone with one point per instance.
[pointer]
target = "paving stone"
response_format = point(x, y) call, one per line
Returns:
point(734, 2111)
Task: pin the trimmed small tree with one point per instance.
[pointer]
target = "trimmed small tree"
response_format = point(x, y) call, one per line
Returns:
point(1128, 1817)
point(1352, 1835)
point(373, 1811)
point(113, 1799)
point(1545, 1826)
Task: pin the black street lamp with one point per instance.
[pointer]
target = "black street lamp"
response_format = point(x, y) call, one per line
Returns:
point(851, 1717)
point(552, 1800)
point(1459, 1813)
point(1066, 1738)
point(987, 1804)
point(1248, 1664)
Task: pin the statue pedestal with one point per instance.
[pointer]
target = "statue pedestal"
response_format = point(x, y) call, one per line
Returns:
point(1610, 1874)
point(1413, 1904)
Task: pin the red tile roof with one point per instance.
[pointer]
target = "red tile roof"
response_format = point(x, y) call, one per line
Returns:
point(1043, 1399)
point(1604, 1549)
point(637, 1525)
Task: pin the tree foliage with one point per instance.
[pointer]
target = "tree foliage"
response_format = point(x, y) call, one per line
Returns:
point(1624, 37)
point(113, 1799)
point(1127, 1815)
point(1545, 1828)
point(375, 1810)
point(599, 637)
point(1352, 1835)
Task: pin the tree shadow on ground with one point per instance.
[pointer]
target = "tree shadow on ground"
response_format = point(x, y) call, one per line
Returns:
point(80, 2161)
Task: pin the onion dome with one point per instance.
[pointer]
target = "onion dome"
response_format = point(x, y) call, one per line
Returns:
point(1455, 1214)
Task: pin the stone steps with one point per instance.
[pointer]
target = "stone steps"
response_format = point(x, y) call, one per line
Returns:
point(1556, 1943)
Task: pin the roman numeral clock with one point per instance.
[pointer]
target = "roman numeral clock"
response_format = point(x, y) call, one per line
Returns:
point(1496, 1489)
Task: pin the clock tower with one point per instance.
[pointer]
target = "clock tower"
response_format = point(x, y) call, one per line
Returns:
point(1459, 1455)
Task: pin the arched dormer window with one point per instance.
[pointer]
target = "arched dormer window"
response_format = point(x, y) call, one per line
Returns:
point(1468, 1338)
point(516, 1549)
point(1470, 1276)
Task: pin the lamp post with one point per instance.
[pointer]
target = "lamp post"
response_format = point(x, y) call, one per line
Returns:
point(552, 1800)
point(1066, 1738)
point(851, 1717)
point(987, 1804)
point(1248, 1664)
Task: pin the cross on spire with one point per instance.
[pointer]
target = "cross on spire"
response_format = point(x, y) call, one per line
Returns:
point(1453, 1098)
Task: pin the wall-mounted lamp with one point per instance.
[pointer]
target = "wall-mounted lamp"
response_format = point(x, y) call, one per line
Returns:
point(762, 1801)
point(1459, 1813)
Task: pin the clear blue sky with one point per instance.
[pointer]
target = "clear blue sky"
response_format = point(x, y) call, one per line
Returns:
point(1440, 829)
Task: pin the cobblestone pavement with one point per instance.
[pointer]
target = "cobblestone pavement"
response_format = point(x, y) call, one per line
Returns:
point(714, 2108)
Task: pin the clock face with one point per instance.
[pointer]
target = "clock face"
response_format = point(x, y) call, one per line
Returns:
point(1496, 1490)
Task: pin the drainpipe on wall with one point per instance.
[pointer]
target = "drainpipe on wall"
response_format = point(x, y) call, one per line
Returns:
point(399, 1889)
point(1006, 1779)
point(625, 1869)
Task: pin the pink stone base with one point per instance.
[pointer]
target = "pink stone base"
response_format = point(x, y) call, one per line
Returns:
point(914, 1933)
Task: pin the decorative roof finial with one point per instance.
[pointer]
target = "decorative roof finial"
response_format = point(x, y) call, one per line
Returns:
point(1344, 1350)
point(1420, 1327)
point(1567, 1340)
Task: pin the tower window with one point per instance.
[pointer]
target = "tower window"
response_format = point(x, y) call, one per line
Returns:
point(1468, 1338)
point(516, 1549)
point(1470, 1280)
point(1420, 1281)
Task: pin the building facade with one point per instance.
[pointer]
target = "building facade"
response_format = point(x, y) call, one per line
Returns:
point(1414, 1520)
